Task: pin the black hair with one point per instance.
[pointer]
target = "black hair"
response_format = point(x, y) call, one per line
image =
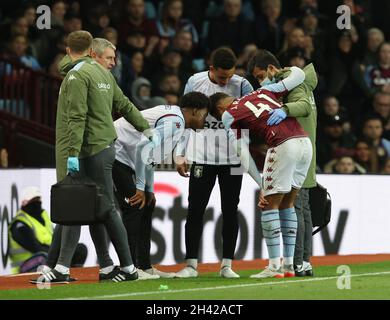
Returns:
point(373, 117)
point(262, 59)
point(223, 58)
point(214, 99)
point(194, 100)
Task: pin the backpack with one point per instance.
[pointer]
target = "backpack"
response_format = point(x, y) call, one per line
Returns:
point(320, 207)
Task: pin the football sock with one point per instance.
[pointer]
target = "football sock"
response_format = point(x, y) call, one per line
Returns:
point(289, 225)
point(129, 269)
point(226, 263)
point(192, 263)
point(270, 225)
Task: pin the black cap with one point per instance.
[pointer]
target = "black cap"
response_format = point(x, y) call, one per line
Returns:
point(336, 120)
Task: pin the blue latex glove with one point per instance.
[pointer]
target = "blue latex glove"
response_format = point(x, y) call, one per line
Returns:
point(276, 116)
point(73, 164)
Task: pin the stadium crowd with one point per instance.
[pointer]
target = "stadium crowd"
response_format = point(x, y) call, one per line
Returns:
point(160, 44)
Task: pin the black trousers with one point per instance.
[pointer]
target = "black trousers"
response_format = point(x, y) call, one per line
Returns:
point(202, 181)
point(138, 223)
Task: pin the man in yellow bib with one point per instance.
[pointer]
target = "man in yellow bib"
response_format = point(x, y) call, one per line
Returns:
point(30, 235)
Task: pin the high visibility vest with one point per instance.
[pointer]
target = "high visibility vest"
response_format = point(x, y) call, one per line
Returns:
point(43, 234)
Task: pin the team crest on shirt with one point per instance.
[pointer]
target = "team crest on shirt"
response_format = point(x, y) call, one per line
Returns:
point(198, 171)
point(178, 125)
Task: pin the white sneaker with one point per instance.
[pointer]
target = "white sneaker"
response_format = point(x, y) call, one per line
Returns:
point(187, 272)
point(143, 275)
point(161, 274)
point(268, 273)
point(227, 272)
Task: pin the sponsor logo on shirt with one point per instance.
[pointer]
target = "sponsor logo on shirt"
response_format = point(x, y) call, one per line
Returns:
point(214, 125)
point(104, 86)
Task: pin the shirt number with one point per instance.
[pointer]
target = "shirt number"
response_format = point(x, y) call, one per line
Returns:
point(261, 107)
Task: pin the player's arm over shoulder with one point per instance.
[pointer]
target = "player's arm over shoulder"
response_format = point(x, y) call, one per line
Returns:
point(295, 77)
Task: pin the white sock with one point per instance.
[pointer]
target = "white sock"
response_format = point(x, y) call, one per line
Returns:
point(62, 269)
point(287, 261)
point(192, 263)
point(306, 264)
point(107, 270)
point(226, 263)
point(129, 269)
point(274, 263)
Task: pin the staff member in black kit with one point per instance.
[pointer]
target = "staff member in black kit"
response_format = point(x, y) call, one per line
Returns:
point(211, 162)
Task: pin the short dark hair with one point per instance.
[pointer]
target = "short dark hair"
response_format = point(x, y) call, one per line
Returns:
point(214, 99)
point(262, 59)
point(374, 117)
point(223, 58)
point(194, 100)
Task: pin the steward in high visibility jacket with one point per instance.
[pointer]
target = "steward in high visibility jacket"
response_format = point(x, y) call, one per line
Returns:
point(30, 233)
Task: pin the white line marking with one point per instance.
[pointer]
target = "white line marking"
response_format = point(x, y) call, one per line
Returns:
point(260, 284)
point(20, 275)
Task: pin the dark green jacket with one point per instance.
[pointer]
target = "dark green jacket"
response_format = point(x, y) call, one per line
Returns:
point(88, 95)
point(300, 104)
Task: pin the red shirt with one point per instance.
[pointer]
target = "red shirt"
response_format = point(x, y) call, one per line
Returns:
point(252, 112)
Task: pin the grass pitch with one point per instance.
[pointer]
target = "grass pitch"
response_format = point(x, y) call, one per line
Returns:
point(366, 281)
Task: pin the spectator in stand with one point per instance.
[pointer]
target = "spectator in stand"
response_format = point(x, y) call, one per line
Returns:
point(58, 11)
point(386, 167)
point(195, 11)
point(72, 23)
point(135, 20)
point(297, 38)
point(243, 59)
point(30, 14)
point(269, 27)
point(358, 16)
point(372, 132)
point(172, 98)
point(171, 63)
point(331, 108)
point(365, 157)
point(296, 57)
point(344, 165)
point(99, 20)
point(172, 21)
point(375, 38)
point(141, 90)
point(19, 26)
point(333, 141)
point(136, 67)
point(309, 21)
point(182, 42)
point(377, 77)
point(18, 52)
point(230, 29)
point(381, 105)
point(343, 75)
point(171, 83)
point(135, 41)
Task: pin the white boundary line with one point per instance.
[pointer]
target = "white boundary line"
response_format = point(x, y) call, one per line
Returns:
point(260, 284)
